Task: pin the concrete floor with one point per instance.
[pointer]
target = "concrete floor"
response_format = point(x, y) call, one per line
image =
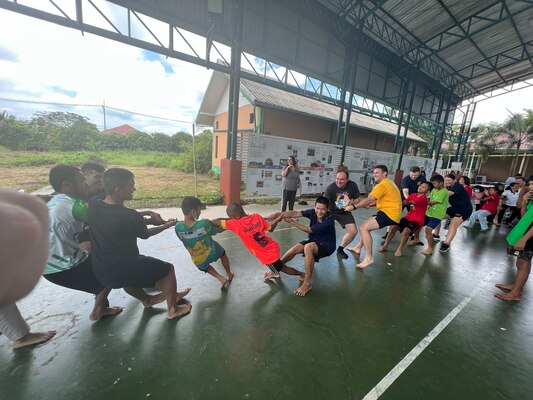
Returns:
point(432, 321)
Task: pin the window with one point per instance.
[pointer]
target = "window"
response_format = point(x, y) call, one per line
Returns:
point(216, 145)
point(251, 118)
point(216, 124)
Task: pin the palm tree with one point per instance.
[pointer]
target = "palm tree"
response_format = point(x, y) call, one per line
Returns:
point(518, 132)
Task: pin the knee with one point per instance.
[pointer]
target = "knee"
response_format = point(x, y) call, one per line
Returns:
point(309, 249)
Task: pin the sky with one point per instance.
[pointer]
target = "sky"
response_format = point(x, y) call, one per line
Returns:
point(42, 62)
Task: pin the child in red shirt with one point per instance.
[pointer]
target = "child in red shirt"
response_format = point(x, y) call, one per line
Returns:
point(251, 229)
point(413, 220)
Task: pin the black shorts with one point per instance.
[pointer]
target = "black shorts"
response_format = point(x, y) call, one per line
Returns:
point(344, 218)
point(383, 220)
point(323, 250)
point(462, 212)
point(412, 225)
point(276, 266)
point(81, 277)
point(140, 272)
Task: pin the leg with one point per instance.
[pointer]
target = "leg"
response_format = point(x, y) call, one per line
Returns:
point(13, 325)
point(351, 231)
point(101, 306)
point(146, 299)
point(482, 216)
point(284, 200)
point(522, 275)
point(293, 271)
point(454, 224)
point(368, 226)
point(167, 285)
point(225, 263)
point(390, 235)
point(292, 252)
point(213, 272)
point(292, 199)
point(310, 251)
point(405, 237)
point(431, 243)
point(501, 214)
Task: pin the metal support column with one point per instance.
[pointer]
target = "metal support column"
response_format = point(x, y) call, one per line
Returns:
point(444, 123)
point(405, 89)
point(461, 133)
point(436, 130)
point(353, 72)
point(468, 129)
point(406, 128)
point(345, 82)
point(235, 79)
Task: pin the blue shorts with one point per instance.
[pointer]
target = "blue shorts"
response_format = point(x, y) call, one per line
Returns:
point(431, 222)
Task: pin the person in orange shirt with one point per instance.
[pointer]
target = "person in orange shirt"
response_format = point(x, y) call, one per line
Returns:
point(251, 229)
point(388, 201)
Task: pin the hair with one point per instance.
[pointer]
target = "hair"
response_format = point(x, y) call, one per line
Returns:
point(383, 168)
point(293, 159)
point(344, 170)
point(495, 187)
point(322, 200)
point(414, 169)
point(524, 179)
point(466, 179)
point(61, 173)
point(115, 177)
point(437, 178)
point(430, 185)
point(451, 176)
point(189, 204)
point(92, 166)
point(518, 175)
point(235, 209)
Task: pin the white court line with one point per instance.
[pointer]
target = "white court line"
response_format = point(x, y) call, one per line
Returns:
point(395, 373)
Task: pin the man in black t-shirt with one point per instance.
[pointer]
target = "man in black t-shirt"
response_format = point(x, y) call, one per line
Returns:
point(114, 230)
point(340, 194)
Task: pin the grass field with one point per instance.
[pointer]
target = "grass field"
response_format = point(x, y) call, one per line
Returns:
point(156, 186)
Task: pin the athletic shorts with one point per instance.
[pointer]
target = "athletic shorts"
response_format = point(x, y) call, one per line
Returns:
point(276, 266)
point(140, 272)
point(411, 225)
point(81, 277)
point(344, 218)
point(323, 249)
point(431, 222)
point(383, 220)
point(462, 212)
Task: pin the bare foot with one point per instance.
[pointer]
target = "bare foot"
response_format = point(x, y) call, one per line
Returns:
point(427, 252)
point(354, 249)
point(230, 276)
point(381, 249)
point(507, 296)
point(181, 295)
point(153, 300)
point(300, 277)
point(271, 275)
point(398, 253)
point(104, 312)
point(504, 287)
point(225, 283)
point(180, 311)
point(303, 290)
point(33, 338)
point(365, 263)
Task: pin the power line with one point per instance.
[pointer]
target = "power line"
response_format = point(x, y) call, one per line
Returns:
point(96, 106)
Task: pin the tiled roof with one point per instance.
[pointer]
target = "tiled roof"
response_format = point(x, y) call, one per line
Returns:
point(121, 130)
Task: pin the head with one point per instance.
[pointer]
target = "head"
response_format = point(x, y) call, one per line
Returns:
point(500, 187)
point(235, 211)
point(414, 173)
point(521, 182)
point(513, 187)
point(381, 172)
point(424, 187)
point(291, 161)
point(119, 183)
point(341, 179)
point(437, 181)
point(493, 190)
point(530, 184)
point(191, 206)
point(449, 180)
point(68, 180)
point(321, 206)
point(94, 176)
point(464, 180)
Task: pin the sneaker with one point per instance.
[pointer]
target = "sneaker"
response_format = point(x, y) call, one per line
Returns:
point(446, 224)
point(444, 247)
point(436, 238)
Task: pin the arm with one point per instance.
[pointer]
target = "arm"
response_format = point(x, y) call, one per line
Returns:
point(284, 214)
point(405, 192)
point(158, 229)
point(153, 218)
point(274, 222)
point(285, 170)
point(525, 200)
point(360, 203)
point(300, 226)
point(522, 241)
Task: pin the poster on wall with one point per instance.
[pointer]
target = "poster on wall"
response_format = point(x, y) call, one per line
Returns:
point(267, 155)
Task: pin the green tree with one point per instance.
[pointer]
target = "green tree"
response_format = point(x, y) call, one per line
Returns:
point(139, 141)
point(161, 142)
point(181, 142)
point(517, 132)
point(15, 135)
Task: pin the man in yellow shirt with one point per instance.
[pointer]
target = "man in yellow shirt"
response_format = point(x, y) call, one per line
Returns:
point(388, 201)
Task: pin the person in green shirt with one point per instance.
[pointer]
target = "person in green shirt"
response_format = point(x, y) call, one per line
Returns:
point(437, 205)
point(196, 235)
